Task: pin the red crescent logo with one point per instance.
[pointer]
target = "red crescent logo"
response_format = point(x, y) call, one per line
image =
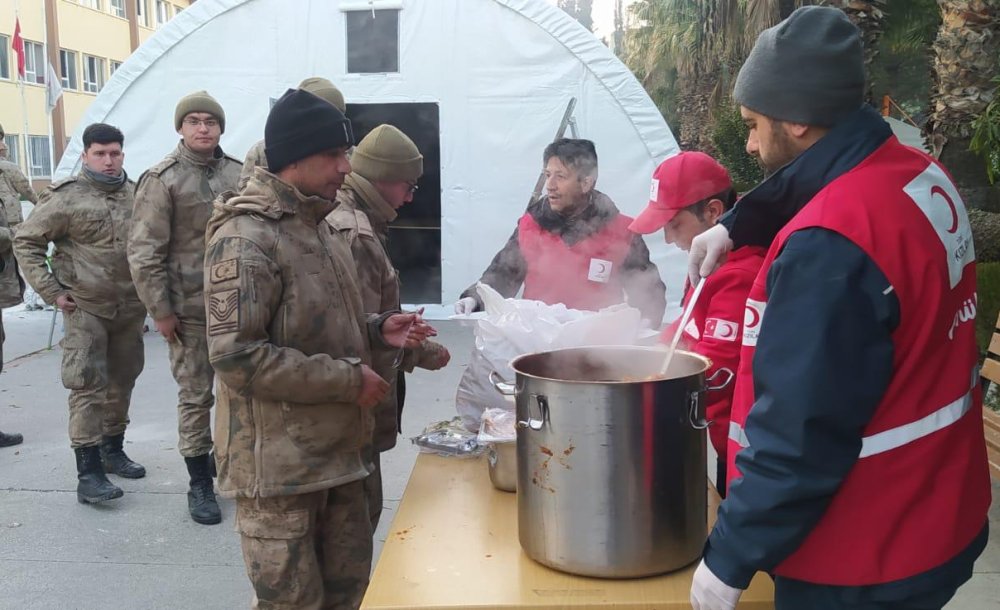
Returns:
point(938, 190)
point(752, 318)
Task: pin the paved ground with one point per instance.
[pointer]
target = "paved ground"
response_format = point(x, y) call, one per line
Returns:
point(143, 551)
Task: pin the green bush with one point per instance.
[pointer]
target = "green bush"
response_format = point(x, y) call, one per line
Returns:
point(988, 305)
point(729, 135)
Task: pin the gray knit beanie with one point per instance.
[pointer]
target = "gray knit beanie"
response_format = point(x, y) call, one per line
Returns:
point(808, 69)
point(386, 155)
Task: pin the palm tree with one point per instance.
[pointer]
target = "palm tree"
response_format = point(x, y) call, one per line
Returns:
point(870, 19)
point(965, 66)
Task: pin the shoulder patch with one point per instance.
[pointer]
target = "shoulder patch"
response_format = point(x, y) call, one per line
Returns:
point(58, 184)
point(162, 166)
point(226, 270)
point(223, 312)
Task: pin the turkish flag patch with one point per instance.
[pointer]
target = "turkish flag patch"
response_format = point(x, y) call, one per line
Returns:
point(724, 330)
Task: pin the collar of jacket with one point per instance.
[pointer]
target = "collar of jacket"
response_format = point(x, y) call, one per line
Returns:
point(776, 200)
point(290, 200)
point(185, 153)
point(102, 186)
point(371, 202)
point(597, 213)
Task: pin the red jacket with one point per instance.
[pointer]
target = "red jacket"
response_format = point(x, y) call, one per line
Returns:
point(715, 330)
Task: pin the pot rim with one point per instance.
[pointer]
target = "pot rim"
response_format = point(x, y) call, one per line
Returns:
point(706, 363)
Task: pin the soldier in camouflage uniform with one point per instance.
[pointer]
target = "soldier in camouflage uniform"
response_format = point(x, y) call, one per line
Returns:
point(317, 86)
point(14, 186)
point(292, 347)
point(87, 217)
point(386, 166)
point(166, 253)
point(11, 293)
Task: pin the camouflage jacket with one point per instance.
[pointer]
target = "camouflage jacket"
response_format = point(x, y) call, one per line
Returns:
point(287, 334)
point(89, 224)
point(11, 287)
point(14, 186)
point(166, 248)
point(362, 217)
point(255, 158)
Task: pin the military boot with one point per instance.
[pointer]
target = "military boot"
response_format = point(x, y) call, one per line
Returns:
point(116, 462)
point(202, 505)
point(9, 440)
point(93, 486)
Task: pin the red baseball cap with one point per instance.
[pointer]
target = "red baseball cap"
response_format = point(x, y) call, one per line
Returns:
point(680, 181)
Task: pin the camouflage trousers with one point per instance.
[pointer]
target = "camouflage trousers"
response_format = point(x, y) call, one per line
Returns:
point(373, 488)
point(194, 377)
point(307, 551)
point(101, 360)
point(3, 338)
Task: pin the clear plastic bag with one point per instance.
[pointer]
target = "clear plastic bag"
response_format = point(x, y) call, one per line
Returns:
point(498, 426)
point(449, 438)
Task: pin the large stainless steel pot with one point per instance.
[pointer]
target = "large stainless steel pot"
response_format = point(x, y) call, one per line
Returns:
point(611, 466)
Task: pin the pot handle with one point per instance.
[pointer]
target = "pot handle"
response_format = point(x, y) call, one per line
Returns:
point(698, 423)
point(504, 387)
point(725, 384)
point(543, 413)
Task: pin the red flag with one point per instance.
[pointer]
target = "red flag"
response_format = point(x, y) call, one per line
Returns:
point(18, 46)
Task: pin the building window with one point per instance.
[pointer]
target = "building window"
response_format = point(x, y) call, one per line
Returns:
point(67, 69)
point(373, 41)
point(118, 8)
point(13, 143)
point(95, 4)
point(4, 57)
point(115, 65)
point(41, 162)
point(93, 73)
point(34, 63)
point(162, 12)
point(142, 12)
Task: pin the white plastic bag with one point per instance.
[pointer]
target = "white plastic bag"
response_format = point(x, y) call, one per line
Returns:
point(513, 327)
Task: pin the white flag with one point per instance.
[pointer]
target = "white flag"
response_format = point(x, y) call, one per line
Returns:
point(53, 88)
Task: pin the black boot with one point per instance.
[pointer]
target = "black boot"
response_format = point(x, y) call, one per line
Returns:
point(9, 440)
point(94, 486)
point(202, 504)
point(115, 460)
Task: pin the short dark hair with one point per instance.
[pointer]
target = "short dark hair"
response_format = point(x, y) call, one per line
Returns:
point(102, 133)
point(727, 197)
point(578, 154)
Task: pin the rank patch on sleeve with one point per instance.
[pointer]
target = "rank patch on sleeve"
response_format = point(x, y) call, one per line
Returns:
point(224, 312)
point(226, 270)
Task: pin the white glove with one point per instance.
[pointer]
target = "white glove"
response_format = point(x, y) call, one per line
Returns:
point(465, 306)
point(710, 593)
point(708, 252)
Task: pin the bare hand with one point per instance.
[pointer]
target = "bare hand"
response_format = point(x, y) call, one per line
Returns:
point(66, 303)
point(373, 387)
point(438, 359)
point(168, 327)
point(406, 330)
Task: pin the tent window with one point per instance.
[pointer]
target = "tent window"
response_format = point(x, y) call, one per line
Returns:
point(372, 41)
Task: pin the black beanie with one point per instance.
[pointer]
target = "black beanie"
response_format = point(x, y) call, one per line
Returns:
point(808, 69)
point(300, 125)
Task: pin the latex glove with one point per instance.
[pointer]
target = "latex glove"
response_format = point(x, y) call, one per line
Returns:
point(710, 593)
point(708, 252)
point(465, 306)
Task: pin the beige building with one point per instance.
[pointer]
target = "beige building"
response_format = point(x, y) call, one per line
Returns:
point(85, 41)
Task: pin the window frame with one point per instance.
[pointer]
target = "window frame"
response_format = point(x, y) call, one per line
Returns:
point(40, 170)
point(72, 81)
point(13, 142)
point(4, 57)
point(118, 10)
point(101, 78)
point(165, 17)
point(31, 74)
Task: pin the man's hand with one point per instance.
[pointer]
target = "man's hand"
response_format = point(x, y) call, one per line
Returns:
point(406, 330)
point(438, 358)
point(708, 252)
point(168, 327)
point(465, 306)
point(710, 593)
point(66, 303)
point(373, 388)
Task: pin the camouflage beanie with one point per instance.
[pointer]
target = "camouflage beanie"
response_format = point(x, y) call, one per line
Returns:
point(323, 88)
point(386, 155)
point(199, 101)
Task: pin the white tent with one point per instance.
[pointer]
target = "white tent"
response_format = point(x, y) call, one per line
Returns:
point(492, 78)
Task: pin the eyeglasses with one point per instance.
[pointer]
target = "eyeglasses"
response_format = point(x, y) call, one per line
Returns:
point(413, 187)
point(210, 123)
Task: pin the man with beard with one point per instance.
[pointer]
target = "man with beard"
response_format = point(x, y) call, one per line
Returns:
point(573, 246)
point(166, 252)
point(858, 475)
point(87, 217)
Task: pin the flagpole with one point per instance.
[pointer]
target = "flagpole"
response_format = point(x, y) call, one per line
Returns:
point(24, 103)
point(48, 85)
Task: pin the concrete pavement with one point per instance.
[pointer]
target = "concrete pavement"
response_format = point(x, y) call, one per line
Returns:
point(143, 551)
